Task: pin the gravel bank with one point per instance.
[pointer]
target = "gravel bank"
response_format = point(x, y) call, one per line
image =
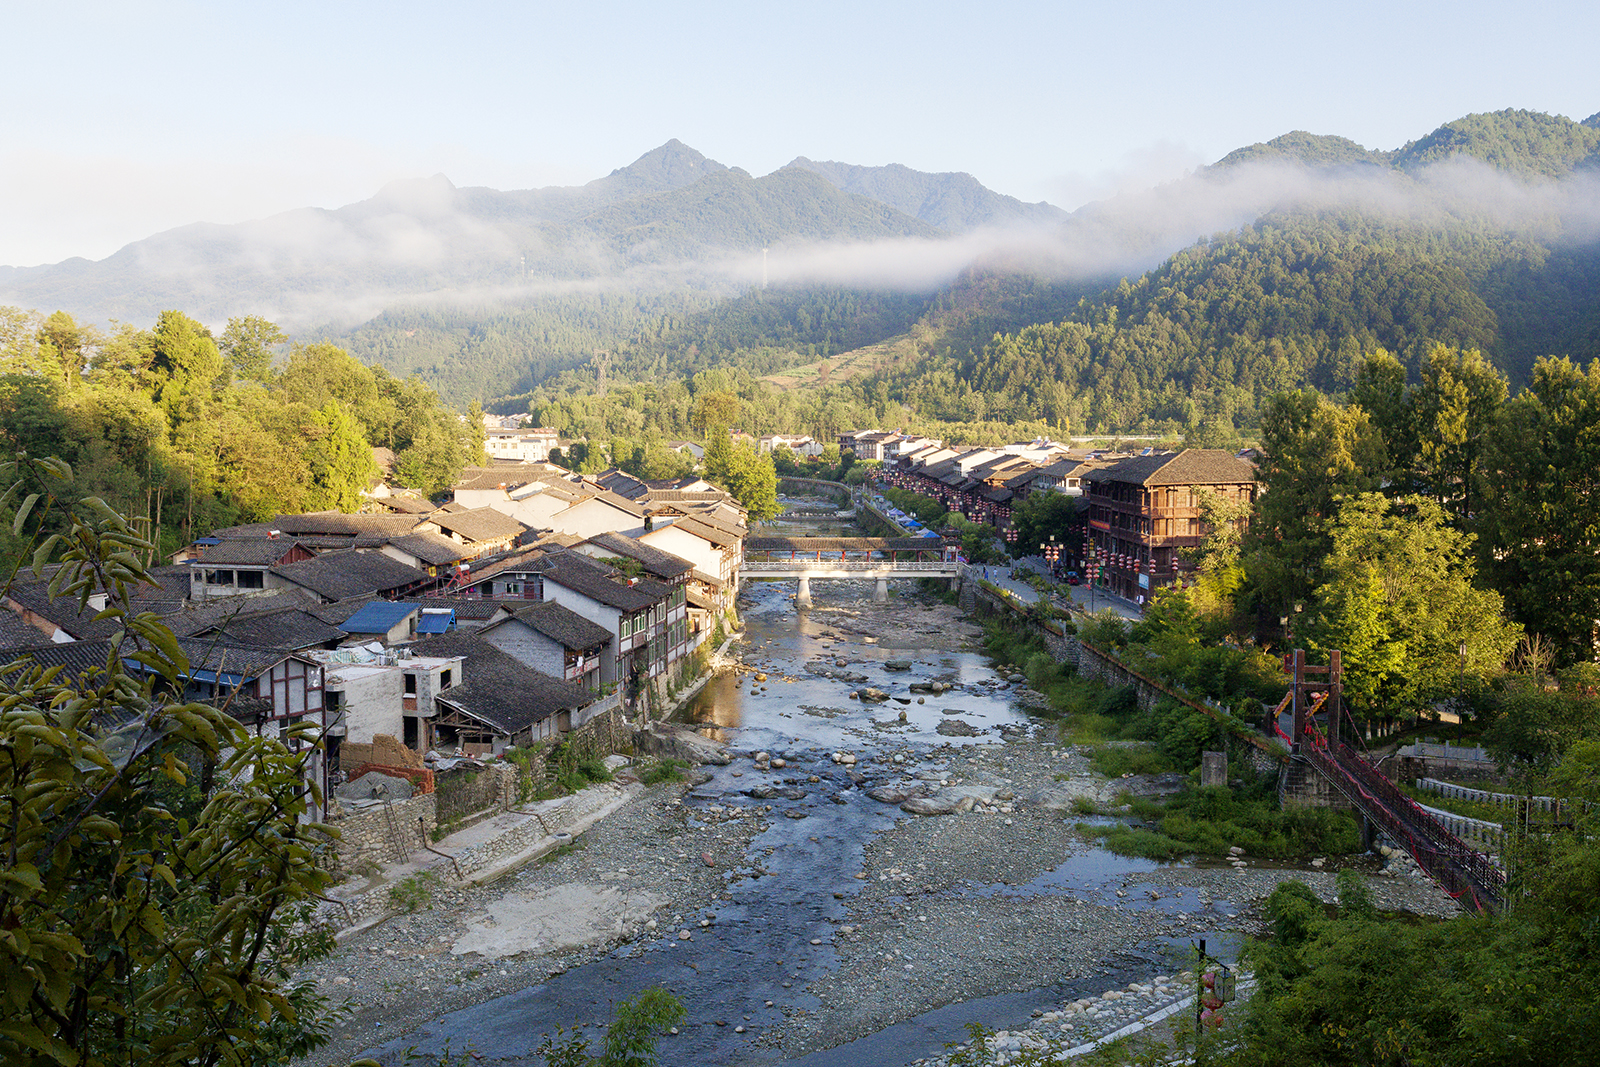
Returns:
point(443, 957)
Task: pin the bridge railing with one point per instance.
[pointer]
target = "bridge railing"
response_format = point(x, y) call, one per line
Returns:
point(1448, 860)
point(801, 566)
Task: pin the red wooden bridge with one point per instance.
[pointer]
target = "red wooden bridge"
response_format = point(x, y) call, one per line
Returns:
point(1465, 873)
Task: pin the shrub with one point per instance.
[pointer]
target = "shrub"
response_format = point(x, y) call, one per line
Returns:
point(665, 770)
point(413, 893)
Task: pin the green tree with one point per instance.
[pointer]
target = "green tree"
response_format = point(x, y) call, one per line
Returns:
point(1398, 599)
point(1457, 406)
point(187, 368)
point(1046, 516)
point(752, 480)
point(1541, 523)
point(62, 340)
point(339, 457)
point(147, 920)
point(1315, 453)
point(247, 346)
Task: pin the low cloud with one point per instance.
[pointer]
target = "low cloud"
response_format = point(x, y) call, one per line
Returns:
point(422, 242)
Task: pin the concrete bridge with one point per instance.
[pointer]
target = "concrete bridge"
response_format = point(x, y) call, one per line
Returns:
point(881, 570)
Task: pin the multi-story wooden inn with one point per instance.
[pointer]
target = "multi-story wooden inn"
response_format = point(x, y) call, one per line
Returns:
point(1144, 511)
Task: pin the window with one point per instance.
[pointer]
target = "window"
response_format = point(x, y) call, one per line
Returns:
point(252, 580)
point(512, 588)
point(219, 577)
point(625, 627)
point(411, 685)
point(444, 679)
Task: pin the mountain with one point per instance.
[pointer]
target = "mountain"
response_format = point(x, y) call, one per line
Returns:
point(953, 202)
point(1527, 144)
point(426, 239)
point(1308, 149)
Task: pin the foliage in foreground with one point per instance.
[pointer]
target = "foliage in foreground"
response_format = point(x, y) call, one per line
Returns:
point(155, 856)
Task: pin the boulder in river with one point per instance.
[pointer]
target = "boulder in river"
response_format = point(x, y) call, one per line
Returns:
point(898, 792)
point(876, 696)
point(668, 741)
point(957, 728)
point(897, 665)
point(940, 804)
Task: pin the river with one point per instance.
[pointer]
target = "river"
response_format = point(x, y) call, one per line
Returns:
point(771, 977)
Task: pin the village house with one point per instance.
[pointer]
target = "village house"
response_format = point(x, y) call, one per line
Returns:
point(555, 640)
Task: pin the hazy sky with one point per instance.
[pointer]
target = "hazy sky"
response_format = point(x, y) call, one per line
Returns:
point(126, 118)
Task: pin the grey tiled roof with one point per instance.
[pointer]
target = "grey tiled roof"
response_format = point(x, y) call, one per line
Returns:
point(475, 609)
point(479, 524)
point(563, 625)
point(1192, 466)
point(352, 572)
point(707, 532)
point(293, 629)
point(663, 565)
point(498, 689)
point(242, 553)
point(431, 548)
point(586, 576)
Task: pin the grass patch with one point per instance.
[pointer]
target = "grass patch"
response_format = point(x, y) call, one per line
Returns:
point(1114, 761)
point(1471, 809)
point(414, 893)
point(1207, 822)
point(664, 770)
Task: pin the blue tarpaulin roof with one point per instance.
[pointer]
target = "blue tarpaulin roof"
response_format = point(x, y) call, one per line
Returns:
point(378, 617)
point(437, 622)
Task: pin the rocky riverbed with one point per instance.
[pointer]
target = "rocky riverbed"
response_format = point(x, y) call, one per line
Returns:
point(796, 903)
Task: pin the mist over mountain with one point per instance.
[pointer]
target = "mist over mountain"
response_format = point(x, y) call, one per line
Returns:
point(953, 202)
point(1273, 268)
point(428, 239)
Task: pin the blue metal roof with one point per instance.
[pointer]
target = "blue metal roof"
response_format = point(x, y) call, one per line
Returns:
point(378, 617)
point(437, 622)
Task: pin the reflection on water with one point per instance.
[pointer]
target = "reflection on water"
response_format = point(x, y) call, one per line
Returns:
point(798, 706)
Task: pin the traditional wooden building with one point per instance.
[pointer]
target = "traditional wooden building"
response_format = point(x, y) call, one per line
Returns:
point(1144, 511)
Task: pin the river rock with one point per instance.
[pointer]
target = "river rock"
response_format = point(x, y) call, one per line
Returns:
point(940, 804)
point(898, 793)
point(876, 696)
point(897, 665)
point(957, 728)
point(669, 741)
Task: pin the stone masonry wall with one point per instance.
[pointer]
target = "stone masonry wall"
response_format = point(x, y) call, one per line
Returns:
point(371, 835)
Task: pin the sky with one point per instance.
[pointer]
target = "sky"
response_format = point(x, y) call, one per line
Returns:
point(126, 118)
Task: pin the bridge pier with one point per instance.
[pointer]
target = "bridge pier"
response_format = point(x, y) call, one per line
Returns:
point(880, 591)
point(955, 584)
point(802, 596)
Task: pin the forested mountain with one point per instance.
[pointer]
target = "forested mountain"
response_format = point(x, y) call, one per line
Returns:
point(1524, 143)
point(954, 202)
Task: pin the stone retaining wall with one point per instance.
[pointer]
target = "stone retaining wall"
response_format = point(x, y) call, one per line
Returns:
point(370, 836)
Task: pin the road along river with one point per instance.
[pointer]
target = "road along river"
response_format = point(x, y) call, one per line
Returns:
point(792, 902)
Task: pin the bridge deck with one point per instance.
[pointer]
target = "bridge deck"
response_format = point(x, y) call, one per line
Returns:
point(1464, 872)
point(840, 547)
